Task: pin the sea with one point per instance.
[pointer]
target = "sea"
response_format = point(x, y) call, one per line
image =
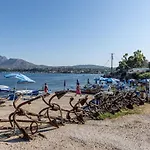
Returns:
point(55, 81)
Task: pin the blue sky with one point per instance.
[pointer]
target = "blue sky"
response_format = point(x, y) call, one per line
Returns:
point(70, 32)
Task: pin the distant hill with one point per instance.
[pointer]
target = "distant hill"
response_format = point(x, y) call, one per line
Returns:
point(90, 66)
point(13, 63)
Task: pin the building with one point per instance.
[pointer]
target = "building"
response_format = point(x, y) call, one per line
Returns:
point(135, 70)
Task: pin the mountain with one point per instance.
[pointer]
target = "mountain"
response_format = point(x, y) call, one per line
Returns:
point(3, 59)
point(13, 63)
point(17, 64)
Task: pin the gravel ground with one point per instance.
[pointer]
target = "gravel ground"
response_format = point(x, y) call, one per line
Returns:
point(129, 132)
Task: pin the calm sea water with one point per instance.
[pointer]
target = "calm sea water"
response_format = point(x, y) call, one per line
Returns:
point(55, 81)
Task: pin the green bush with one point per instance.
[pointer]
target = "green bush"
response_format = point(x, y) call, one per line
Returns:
point(145, 75)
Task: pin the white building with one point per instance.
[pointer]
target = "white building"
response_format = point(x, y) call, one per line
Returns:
point(135, 70)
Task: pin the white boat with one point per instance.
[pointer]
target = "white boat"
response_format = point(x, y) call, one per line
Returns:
point(4, 88)
point(27, 92)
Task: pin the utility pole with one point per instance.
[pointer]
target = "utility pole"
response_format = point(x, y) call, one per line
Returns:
point(112, 58)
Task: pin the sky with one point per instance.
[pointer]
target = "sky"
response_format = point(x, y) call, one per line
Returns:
point(73, 32)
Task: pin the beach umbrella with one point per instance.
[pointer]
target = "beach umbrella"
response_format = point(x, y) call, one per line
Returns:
point(25, 79)
point(117, 80)
point(105, 79)
point(131, 80)
point(21, 79)
point(102, 79)
point(110, 80)
point(144, 80)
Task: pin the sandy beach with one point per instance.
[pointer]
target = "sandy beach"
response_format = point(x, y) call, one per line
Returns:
point(129, 132)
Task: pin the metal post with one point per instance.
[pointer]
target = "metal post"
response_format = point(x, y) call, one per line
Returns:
point(15, 90)
point(112, 63)
point(149, 87)
point(148, 93)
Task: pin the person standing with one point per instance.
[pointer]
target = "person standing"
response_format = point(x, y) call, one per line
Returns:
point(78, 90)
point(46, 88)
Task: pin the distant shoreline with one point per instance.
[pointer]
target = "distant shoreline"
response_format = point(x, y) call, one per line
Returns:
point(69, 71)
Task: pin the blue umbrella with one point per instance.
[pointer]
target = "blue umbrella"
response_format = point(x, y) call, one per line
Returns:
point(21, 78)
point(25, 79)
point(131, 80)
point(117, 80)
point(101, 79)
point(112, 80)
point(144, 80)
point(109, 80)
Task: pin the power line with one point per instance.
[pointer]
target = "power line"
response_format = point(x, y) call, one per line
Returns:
point(106, 62)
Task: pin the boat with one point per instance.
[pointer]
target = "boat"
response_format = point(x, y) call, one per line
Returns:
point(89, 90)
point(4, 88)
point(28, 92)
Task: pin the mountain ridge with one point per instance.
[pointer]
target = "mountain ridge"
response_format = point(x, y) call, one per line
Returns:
point(16, 63)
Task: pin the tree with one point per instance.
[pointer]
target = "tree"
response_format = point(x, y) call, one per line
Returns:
point(123, 63)
point(137, 60)
point(145, 75)
point(149, 65)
